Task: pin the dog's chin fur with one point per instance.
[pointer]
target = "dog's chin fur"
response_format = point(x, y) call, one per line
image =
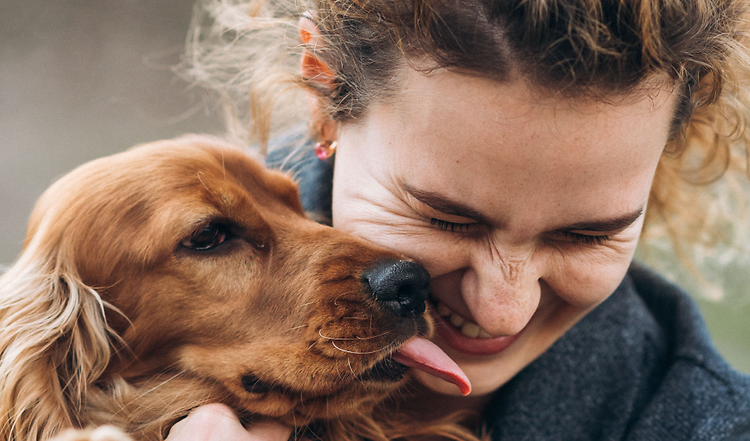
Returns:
point(127, 308)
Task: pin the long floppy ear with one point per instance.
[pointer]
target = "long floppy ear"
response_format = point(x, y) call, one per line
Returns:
point(54, 343)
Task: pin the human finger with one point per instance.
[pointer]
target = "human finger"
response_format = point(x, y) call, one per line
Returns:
point(217, 422)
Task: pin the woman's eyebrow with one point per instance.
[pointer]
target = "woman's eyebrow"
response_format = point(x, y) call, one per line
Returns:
point(444, 205)
point(447, 206)
point(604, 225)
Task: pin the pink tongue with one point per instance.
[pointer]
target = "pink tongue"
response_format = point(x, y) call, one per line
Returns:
point(422, 354)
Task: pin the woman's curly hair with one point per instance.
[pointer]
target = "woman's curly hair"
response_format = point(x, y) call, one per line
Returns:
point(249, 52)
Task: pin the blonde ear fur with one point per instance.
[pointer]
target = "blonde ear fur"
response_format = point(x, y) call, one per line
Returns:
point(54, 343)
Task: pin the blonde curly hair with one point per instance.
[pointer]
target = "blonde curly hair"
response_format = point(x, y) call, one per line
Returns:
point(249, 52)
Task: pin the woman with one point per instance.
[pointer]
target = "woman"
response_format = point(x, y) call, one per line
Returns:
point(516, 150)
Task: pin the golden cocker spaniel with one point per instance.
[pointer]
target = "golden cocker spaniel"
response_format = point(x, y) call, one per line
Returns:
point(181, 273)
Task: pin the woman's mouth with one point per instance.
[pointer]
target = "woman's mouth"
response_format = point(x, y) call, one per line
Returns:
point(467, 328)
point(465, 336)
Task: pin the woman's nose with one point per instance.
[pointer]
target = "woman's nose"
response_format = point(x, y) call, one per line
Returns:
point(501, 288)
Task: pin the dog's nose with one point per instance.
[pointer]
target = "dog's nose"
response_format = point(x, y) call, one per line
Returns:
point(401, 285)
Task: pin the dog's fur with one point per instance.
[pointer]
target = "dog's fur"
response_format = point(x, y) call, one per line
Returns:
point(114, 314)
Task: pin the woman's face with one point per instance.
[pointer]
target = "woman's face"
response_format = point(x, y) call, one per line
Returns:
point(526, 210)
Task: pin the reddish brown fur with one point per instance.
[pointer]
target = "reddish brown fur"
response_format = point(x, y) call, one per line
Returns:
point(187, 325)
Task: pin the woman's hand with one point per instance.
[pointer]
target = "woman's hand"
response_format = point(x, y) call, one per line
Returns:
point(217, 422)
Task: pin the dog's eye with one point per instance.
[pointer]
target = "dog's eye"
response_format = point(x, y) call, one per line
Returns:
point(207, 237)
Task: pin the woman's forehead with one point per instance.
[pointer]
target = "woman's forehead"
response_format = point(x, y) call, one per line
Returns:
point(512, 122)
point(502, 144)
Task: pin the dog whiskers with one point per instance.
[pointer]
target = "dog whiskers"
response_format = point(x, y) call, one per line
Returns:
point(355, 352)
point(374, 336)
point(295, 328)
point(320, 333)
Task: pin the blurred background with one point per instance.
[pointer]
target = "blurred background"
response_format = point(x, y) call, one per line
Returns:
point(81, 79)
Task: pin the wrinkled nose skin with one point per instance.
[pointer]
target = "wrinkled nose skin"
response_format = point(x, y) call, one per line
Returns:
point(400, 285)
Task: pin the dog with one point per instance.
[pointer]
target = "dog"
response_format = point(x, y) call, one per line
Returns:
point(182, 272)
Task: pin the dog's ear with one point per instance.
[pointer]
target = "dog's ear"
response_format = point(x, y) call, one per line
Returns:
point(54, 343)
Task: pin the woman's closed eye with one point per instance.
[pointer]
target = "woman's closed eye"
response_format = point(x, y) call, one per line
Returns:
point(577, 238)
point(451, 226)
point(584, 239)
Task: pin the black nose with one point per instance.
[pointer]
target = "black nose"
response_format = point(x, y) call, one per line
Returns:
point(401, 285)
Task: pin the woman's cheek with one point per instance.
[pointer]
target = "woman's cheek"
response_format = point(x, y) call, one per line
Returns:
point(437, 252)
point(588, 277)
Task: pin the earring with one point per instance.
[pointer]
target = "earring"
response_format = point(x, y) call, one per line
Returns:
point(325, 149)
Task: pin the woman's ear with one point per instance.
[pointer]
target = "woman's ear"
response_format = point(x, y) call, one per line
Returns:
point(315, 70)
point(312, 67)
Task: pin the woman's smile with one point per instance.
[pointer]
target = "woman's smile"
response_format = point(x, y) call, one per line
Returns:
point(467, 328)
point(465, 336)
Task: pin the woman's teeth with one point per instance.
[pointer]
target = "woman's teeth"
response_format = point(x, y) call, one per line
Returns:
point(467, 328)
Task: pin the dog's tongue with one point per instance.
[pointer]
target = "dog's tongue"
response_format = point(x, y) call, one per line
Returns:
point(420, 353)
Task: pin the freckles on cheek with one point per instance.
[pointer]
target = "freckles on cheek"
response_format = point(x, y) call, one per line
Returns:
point(586, 286)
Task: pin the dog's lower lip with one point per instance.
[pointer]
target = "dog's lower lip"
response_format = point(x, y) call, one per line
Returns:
point(386, 370)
